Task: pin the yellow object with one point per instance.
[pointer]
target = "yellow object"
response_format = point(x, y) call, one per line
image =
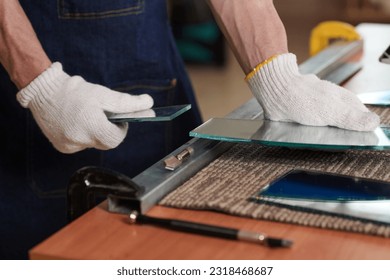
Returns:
point(329, 31)
point(253, 72)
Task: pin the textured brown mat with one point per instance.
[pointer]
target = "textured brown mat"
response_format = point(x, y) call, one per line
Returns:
point(226, 184)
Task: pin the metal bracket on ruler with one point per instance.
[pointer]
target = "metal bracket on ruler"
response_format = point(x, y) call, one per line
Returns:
point(175, 161)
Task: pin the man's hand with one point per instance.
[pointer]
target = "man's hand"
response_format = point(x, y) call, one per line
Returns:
point(286, 95)
point(72, 112)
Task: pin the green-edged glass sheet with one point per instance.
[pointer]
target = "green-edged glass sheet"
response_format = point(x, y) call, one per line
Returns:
point(292, 135)
point(154, 114)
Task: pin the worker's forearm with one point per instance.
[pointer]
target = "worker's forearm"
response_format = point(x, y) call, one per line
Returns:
point(21, 53)
point(253, 29)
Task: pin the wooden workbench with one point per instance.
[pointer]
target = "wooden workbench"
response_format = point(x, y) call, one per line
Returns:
point(102, 235)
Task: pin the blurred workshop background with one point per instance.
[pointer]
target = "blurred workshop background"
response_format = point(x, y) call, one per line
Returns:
point(216, 76)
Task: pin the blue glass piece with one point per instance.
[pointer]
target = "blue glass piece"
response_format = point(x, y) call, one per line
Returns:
point(300, 184)
point(329, 194)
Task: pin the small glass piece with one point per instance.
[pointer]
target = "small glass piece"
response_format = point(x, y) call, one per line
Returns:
point(381, 98)
point(154, 114)
point(333, 193)
point(291, 135)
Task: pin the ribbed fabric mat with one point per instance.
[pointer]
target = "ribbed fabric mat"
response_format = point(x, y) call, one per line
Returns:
point(226, 183)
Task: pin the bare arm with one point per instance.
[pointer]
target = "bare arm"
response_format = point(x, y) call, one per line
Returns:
point(253, 29)
point(21, 53)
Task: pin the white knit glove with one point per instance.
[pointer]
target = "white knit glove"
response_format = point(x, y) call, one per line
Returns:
point(286, 95)
point(72, 112)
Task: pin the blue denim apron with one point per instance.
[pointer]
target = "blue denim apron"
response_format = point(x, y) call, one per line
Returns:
point(125, 45)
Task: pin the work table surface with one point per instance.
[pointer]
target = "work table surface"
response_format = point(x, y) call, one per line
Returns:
point(102, 235)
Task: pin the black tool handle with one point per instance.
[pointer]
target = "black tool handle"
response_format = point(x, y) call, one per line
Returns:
point(190, 227)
